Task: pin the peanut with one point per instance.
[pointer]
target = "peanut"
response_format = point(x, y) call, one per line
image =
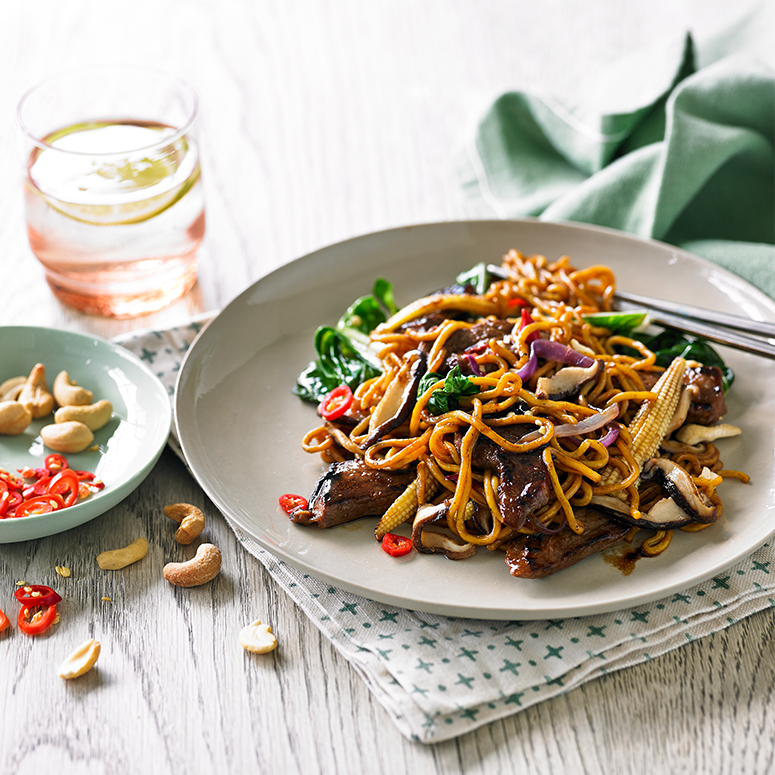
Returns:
point(67, 436)
point(14, 418)
point(35, 394)
point(204, 567)
point(81, 660)
point(68, 393)
point(94, 416)
point(190, 518)
point(120, 558)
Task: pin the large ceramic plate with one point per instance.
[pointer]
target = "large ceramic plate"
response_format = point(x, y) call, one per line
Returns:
point(241, 427)
point(127, 447)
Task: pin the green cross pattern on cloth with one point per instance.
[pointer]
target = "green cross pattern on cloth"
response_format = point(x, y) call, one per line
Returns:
point(680, 155)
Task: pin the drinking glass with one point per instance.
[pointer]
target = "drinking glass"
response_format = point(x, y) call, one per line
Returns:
point(113, 187)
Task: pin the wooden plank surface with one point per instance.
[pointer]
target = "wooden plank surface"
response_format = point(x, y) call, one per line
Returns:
point(320, 120)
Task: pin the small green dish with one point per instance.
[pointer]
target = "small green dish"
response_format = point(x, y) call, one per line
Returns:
point(127, 447)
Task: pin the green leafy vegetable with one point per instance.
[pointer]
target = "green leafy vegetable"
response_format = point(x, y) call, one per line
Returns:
point(345, 355)
point(478, 276)
point(383, 290)
point(670, 344)
point(666, 345)
point(621, 323)
point(338, 363)
point(367, 312)
point(447, 398)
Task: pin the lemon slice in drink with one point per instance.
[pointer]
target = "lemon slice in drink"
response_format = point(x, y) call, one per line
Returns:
point(107, 185)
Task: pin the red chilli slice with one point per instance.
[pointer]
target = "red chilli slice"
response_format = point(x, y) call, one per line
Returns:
point(336, 403)
point(37, 594)
point(43, 504)
point(396, 545)
point(35, 622)
point(289, 502)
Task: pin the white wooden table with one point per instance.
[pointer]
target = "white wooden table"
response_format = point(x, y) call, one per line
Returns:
point(320, 120)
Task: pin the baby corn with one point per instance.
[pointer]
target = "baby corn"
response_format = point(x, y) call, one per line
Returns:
point(650, 424)
point(404, 507)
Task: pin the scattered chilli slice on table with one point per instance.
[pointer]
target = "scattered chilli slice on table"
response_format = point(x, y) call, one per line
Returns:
point(518, 413)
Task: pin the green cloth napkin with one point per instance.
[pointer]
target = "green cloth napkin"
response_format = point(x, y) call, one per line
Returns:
point(664, 151)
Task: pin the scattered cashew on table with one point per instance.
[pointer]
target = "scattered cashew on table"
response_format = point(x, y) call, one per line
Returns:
point(203, 567)
point(120, 558)
point(258, 638)
point(189, 517)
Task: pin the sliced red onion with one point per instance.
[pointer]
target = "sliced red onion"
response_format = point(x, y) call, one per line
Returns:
point(587, 425)
point(474, 365)
point(611, 436)
point(529, 368)
point(552, 351)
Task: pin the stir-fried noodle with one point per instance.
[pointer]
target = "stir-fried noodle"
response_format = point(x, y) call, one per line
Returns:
point(580, 406)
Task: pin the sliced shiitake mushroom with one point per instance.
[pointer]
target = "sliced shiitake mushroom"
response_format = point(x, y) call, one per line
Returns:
point(679, 486)
point(567, 381)
point(396, 405)
point(683, 503)
point(433, 541)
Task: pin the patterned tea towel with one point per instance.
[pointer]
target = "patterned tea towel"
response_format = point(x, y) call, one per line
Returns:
point(682, 156)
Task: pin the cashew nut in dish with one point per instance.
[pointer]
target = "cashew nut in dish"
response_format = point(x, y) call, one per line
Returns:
point(11, 388)
point(66, 436)
point(258, 638)
point(204, 567)
point(190, 518)
point(35, 394)
point(93, 416)
point(14, 418)
point(120, 558)
point(68, 393)
point(81, 660)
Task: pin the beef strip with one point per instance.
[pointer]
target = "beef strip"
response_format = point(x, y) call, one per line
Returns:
point(537, 556)
point(708, 406)
point(351, 490)
point(482, 331)
point(523, 480)
point(425, 323)
point(456, 290)
point(466, 338)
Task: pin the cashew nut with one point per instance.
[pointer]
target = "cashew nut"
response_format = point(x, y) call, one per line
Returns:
point(10, 389)
point(68, 393)
point(67, 436)
point(14, 418)
point(93, 416)
point(257, 638)
point(120, 558)
point(35, 394)
point(190, 518)
point(81, 660)
point(204, 567)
